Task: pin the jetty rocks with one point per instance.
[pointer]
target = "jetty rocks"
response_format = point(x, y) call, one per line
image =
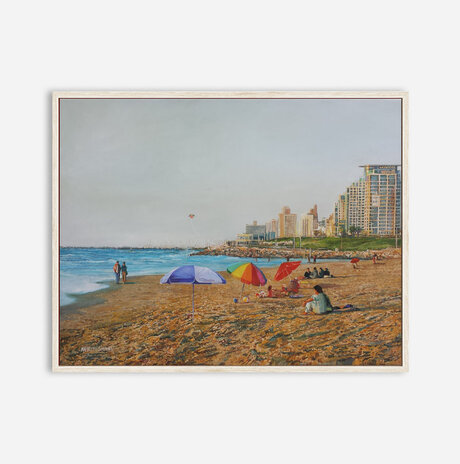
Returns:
point(295, 253)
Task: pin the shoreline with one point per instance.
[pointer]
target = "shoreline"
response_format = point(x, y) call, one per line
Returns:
point(91, 298)
point(84, 300)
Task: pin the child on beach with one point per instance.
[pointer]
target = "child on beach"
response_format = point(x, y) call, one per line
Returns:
point(319, 303)
point(272, 293)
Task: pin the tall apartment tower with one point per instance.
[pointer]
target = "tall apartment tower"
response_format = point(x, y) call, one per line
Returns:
point(314, 212)
point(373, 203)
point(287, 223)
point(382, 209)
point(271, 229)
point(340, 214)
point(330, 226)
point(356, 202)
point(307, 225)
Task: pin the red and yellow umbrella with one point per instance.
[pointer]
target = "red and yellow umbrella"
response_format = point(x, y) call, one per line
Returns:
point(247, 273)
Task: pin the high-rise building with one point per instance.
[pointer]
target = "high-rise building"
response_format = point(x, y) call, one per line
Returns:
point(330, 226)
point(307, 225)
point(382, 212)
point(271, 229)
point(287, 223)
point(373, 203)
point(340, 214)
point(257, 231)
point(314, 212)
point(356, 205)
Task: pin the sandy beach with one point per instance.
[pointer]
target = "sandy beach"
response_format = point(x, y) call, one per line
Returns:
point(144, 323)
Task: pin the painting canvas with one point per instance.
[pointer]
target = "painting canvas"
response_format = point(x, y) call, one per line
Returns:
point(230, 231)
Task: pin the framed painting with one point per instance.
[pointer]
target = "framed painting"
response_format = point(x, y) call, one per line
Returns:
point(230, 231)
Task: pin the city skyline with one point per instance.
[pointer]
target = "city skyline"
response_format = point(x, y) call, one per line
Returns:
point(133, 170)
point(371, 205)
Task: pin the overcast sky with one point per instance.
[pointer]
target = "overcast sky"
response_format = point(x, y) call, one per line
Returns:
point(132, 170)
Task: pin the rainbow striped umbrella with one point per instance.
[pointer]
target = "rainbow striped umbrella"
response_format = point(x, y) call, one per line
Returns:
point(247, 273)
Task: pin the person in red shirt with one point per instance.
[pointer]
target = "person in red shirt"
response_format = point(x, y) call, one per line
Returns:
point(117, 270)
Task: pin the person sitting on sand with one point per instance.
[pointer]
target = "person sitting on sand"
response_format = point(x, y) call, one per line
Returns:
point(319, 303)
point(321, 273)
point(284, 290)
point(293, 286)
point(314, 274)
point(124, 272)
point(273, 293)
point(307, 274)
point(269, 293)
point(327, 273)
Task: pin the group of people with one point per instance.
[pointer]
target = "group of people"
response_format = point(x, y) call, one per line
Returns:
point(123, 270)
point(319, 303)
point(315, 274)
point(286, 290)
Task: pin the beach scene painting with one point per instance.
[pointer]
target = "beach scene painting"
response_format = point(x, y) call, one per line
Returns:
point(247, 231)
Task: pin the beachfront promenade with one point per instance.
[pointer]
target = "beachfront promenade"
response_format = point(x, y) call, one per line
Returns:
point(145, 323)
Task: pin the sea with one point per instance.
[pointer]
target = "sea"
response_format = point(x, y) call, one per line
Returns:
point(84, 270)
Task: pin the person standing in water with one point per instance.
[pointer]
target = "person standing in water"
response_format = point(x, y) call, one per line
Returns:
point(124, 272)
point(116, 270)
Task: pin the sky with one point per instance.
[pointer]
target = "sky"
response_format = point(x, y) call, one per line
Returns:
point(132, 170)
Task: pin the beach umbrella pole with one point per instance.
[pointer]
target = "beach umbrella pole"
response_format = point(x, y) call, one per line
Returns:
point(193, 300)
point(242, 289)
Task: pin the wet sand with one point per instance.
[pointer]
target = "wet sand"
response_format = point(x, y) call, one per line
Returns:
point(143, 323)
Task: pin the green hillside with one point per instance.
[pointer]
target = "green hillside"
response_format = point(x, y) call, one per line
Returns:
point(346, 243)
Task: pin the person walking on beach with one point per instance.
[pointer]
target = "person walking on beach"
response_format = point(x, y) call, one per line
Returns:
point(374, 258)
point(314, 259)
point(116, 270)
point(124, 272)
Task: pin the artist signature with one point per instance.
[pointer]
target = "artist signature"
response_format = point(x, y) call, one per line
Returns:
point(96, 348)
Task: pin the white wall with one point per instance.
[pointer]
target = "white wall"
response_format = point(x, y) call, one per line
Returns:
point(298, 45)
